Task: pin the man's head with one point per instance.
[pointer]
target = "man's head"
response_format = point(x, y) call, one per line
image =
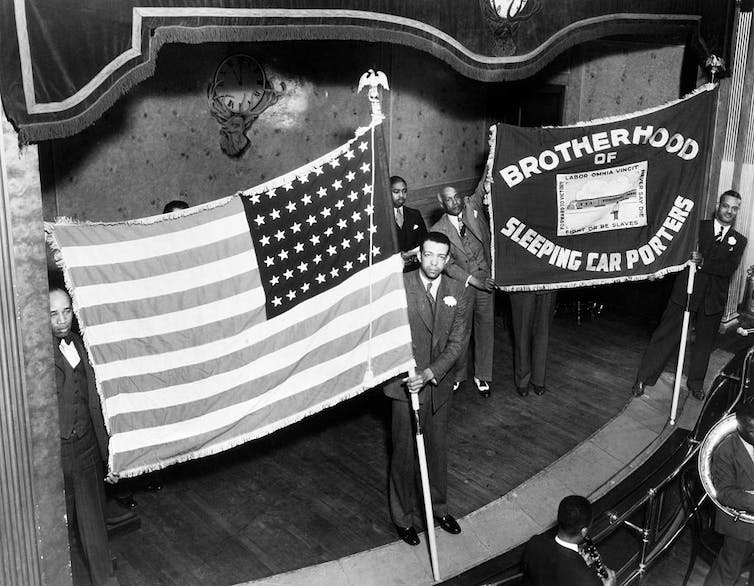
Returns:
point(451, 201)
point(745, 420)
point(574, 518)
point(727, 207)
point(434, 253)
point(398, 190)
point(61, 312)
point(176, 204)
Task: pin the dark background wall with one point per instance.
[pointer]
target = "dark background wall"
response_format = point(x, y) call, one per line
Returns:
point(160, 143)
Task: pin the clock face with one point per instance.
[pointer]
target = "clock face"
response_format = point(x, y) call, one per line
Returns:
point(240, 82)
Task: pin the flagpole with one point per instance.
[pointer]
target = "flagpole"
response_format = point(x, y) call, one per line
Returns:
point(422, 454)
point(682, 349)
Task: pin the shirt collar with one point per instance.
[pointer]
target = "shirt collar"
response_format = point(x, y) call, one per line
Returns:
point(435, 283)
point(718, 225)
point(571, 546)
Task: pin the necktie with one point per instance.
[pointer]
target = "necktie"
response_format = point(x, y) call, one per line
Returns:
point(461, 227)
point(719, 237)
point(430, 297)
point(399, 217)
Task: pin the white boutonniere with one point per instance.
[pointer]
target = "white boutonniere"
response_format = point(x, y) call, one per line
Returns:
point(476, 213)
point(416, 227)
point(732, 240)
point(449, 300)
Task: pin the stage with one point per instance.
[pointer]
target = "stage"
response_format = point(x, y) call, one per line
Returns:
point(312, 497)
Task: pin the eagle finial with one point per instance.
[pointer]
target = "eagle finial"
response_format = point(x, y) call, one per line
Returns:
point(373, 80)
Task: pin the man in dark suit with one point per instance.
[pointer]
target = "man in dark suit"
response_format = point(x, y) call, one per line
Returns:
point(733, 476)
point(531, 315)
point(438, 315)
point(409, 223)
point(465, 224)
point(719, 253)
point(559, 560)
point(83, 444)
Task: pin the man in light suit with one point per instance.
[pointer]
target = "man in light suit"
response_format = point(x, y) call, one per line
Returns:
point(438, 315)
point(465, 224)
point(409, 223)
point(720, 251)
point(733, 477)
point(83, 447)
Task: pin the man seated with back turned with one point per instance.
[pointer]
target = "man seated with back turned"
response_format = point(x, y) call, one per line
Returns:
point(733, 476)
point(560, 560)
point(438, 315)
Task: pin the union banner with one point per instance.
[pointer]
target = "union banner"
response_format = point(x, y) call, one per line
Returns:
point(600, 202)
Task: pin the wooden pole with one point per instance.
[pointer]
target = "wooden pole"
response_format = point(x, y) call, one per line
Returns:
point(682, 349)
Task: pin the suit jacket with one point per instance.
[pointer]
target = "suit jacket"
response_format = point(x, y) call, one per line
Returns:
point(95, 409)
point(732, 475)
point(413, 231)
point(475, 220)
point(437, 340)
point(713, 279)
point(547, 563)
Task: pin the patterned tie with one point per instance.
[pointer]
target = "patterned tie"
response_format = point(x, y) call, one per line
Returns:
point(461, 227)
point(719, 237)
point(399, 216)
point(430, 297)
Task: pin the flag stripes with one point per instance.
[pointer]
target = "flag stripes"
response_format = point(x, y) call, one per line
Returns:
point(176, 310)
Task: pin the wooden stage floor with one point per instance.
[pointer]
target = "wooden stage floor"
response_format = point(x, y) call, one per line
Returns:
point(316, 491)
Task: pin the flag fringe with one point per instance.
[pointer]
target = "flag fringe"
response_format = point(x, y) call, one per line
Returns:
point(618, 118)
point(237, 441)
point(589, 282)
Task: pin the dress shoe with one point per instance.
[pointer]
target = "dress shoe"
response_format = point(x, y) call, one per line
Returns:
point(126, 501)
point(522, 391)
point(638, 388)
point(538, 389)
point(408, 534)
point(450, 525)
point(697, 394)
point(483, 387)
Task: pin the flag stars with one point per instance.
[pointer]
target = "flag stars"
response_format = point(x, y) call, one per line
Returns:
point(363, 146)
point(264, 240)
point(369, 209)
point(314, 239)
point(311, 220)
point(335, 163)
point(317, 171)
point(305, 287)
point(304, 177)
point(283, 254)
point(349, 154)
point(303, 267)
point(353, 196)
point(322, 192)
point(348, 266)
point(271, 193)
point(359, 236)
point(373, 229)
point(364, 168)
point(276, 301)
point(299, 247)
point(259, 220)
point(362, 257)
point(317, 259)
point(326, 212)
point(342, 224)
point(367, 189)
point(350, 176)
point(291, 295)
point(375, 250)
point(337, 184)
point(255, 198)
point(339, 204)
point(288, 274)
point(356, 216)
point(274, 280)
point(306, 200)
point(275, 214)
point(291, 207)
point(269, 261)
point(346, 243)
point(331, 250)
point(334, 272)
point(288, 185)
point(320, 278)
point(296, 227)
point(279, 235)
point(329, 231)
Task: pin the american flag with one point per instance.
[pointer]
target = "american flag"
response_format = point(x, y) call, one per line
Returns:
point(220, 324)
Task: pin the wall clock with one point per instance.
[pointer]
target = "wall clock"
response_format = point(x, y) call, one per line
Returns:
point(238, 93)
